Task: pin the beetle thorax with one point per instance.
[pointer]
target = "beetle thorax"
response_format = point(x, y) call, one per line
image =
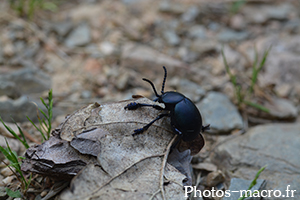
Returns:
point(170, 99)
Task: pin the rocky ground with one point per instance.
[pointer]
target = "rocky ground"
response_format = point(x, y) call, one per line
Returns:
point(99, 51)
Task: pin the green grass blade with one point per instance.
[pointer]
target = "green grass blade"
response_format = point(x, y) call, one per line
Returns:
point(257, 106)
point(253, 183)
point(236, 6)
point(255, 58)
point(24, 142)
point(256, 177)
point(231, 76)
point(12, 157)
point(44, 103)
point(262, 63)
point(11, 131)
point(5, 153)
point(255, 70)
point(28, 182)
point(45, 115)
point(37, 128)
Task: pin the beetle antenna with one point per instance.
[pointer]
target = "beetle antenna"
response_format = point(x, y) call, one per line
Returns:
point(163, 84)
point(153, 87)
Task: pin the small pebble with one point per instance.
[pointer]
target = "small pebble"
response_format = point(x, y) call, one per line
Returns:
point(6, 171)
point(205, 166)
point(214, 178)
point(8, 180)
point(44, 193)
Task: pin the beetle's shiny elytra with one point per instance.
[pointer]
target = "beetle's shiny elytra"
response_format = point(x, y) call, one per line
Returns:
point(186, 120)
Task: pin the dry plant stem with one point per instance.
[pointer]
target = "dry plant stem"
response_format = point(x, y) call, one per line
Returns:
point(32, 139)
point(198, 180)
point(245, 119)
point(163, 165)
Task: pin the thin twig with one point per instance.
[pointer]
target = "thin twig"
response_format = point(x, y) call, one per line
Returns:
point(32, 139)
point(12, 171)
point(162, 170)
point(198, 180)
point(154, 194)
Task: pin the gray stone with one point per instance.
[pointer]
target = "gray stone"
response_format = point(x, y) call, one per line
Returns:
point(157, 43)
point(282, 65)
point(202, 46)
point(263, 13)
point(214, 26)
point(237, 185)
point(80, 36)
point(122, 81)
point(213, 178)
point(171, 7)
point(190, 89)
point(19, 46)
point(132, 1)
point(190, 15)
point(107, 48)
point(62, 28)
point(280, 12)
point(237, 22)
point(218, 111)
point(292, 26)
point(28, 80)
point(231, 35)
point(171, 37)
point(3, 194)
point(197, 31)
point(281, 109)
point(94, 51)
point(32, 50)
point(186, 55)
point(19, 109)
point(86, 94)
point(146, 60)
point(274, 145)
point(19, 59)
point(9, 89)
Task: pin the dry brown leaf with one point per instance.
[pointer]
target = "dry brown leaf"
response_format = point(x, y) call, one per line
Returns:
point(127, 166)
point(141, 181)
point(55, 158)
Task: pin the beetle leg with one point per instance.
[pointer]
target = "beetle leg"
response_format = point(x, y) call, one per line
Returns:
point(178, 139)
point(178, 131)
point(134, 106)
point(205, 128)
point(141, 130)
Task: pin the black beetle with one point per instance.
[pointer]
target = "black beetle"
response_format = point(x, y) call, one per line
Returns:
point(186, 120)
